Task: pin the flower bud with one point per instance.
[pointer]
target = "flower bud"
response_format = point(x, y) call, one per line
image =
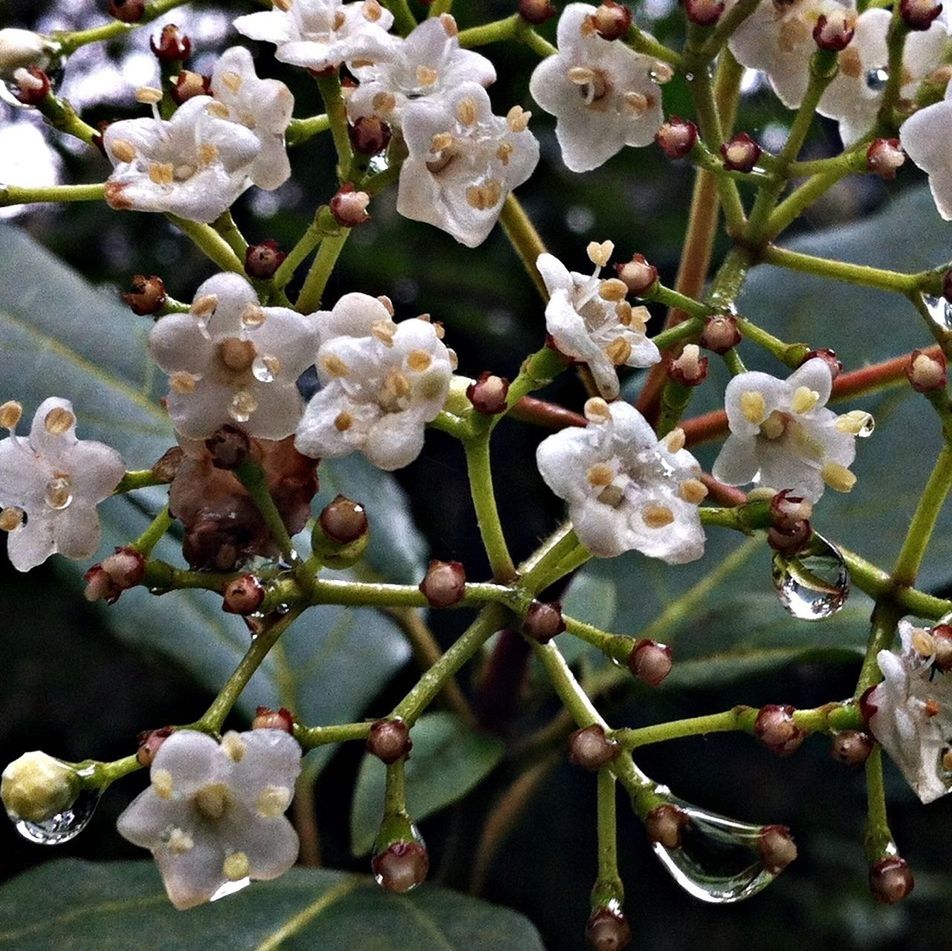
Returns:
point(720, 333)
point(36, 787)
point(173, 45)
point(263, 259)
point(884, 157)
point(663, 824)
point(676, 137)
point(149, 743)
point(543, 621)
point(32, 85)
point(638, 275)
point(777, 730)
point(690, 368)
point(188, 85)
point(834, 31)
point(866, 706)
point(611, 20)
point(167, 465)
point(401, 867)
point(22, 48)
point(243, 595)
point(268, 719)
point(127, 11)
point(890, 880)
point(444, 584)
point(777, 848)
point(851, 747)
point(942, 645)
point(344, 520)
point(703, 12)
point(650, 662)
point(591, 749)
point(349, 207)
point(740, 153)
point(488, 394)
point(607, 930)
point(369, 135)
point(229, 447)
point(926, 371)
point(536, 11)
point(389, 740)
point(122, 570)
point(829, 357)
point(919, 14)
point(147, 295)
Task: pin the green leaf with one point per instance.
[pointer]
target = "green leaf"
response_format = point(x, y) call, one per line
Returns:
point(85, 906)
point(449, 758)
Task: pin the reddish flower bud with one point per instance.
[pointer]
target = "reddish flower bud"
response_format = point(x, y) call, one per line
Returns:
point(123, 569)
point(890, 880)
point(829, 357)
point(607, 930)
point(401, 867)
point(165, 468)
point(919, 14)
point(663, 825)
point(834, 31)
point(777, 730)
point(488, 394)
point(243, 595)
point(703, 12)
point(188, 85)
point(147, 295)
point(263, 259)
point(389, 740)
point(866, 707)
point(942, 640)
point(676, 137)
point(268, 719)
point(173, 45)
point(720, 333)
point(740, 153)
point(650, 662)
point(851, 747)
point(369, 135)
point(777, 848)
point(884, 157)
point(591, 749)
point(926, 371)
point(543, 621)
point(32, 85)
point(99, 586)
point(349, 207)
point(536, 11)
point(444, 584)
point(149, 743)
point(690, 368)
point(229, 447)
point(610, 20)
point(128, 11)
point(790, 527)
point(637, 274)
point(344, 520)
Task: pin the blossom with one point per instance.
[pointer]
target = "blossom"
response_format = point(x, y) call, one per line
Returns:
point(382, 382)
point(856, 92)
point(912, 712)
point(925, 137)
point(194, 165)
point(427, 64)
point(232, 361)
point(321, 34)
point(601, 92)
point(625, 489)
point(783, 436)
point(590, 320)
point(463, 161)
point(50, 484)
point(213, 815)
point(22, 48)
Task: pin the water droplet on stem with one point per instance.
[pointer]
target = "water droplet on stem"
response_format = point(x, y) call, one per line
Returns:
point(814, 583)
point(65, 825)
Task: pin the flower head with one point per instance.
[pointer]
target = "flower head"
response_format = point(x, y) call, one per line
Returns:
point(783, 436)
point(213, 815)
point(232, 361)
point(625, 489)
point(601, 92)
point(925, 138)
point(50, 485)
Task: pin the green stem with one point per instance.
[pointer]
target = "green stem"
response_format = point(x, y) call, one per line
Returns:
point(524, 238)
point(494, 32)
point(312, 736)
point(69, 42)
point(878, 840)
point(17, 195)
point(895, 43)
point(321, 226)
point(645, 43)
point(881, 634)
point(226, 227)
point(844, 271)
point(210, 243)
point(309, 300)
point(252, 477)
point(733, 362)
point(138, 479)
point(395, 792)
point(403, 19)
point(683, 332)
point(792, 354)
point(479, 469)
point(608, 888)
point(329, 87)
point(537, 371)
point(154, 533)
point(616, 646)
point(300, 130)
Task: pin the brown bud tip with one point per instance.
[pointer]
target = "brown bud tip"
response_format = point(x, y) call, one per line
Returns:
point(401, 867)
point(851, 747)
point(188, 85)
point(128, 11)
point(243, 595)
point(777, 848)
point(637, 274)
point(173, 45)
point(32, 85)
point(99, 586)
point(349, 207)
point(926, 372)
point(229, 447)
point(866, 706)
point(919, 14)
point(444, 584)
point(263, 259)
point(650, 662)
point(607, 930)
point(690, 368)
point(829, 357)
point(884, 158)
point(536, 11)
point(147, 295)
point(834, 31)
point(664, 824)
point(268, 719)
point(167, 465)
point(126, 567)
point(789, 511)
point(488, 394)
point(703, 12)
point(149, 743)
point(369, 135)
point(389, 740)
point(676, 137)
point(890, 880)
point(720, 333)
point(591, 749)
point(344, 520)
point(610, 20)
point(777, 730)
point(788, 541)
point(942, 644)
point(740, 153)
point(543, 621)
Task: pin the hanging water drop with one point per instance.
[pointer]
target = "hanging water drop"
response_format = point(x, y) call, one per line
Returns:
point(229, 888)
point(877, 78)
point(243, 404)
point(65, 825)
point(58, 493)
point(940, 310)
point(265, 369)
point(814, 583)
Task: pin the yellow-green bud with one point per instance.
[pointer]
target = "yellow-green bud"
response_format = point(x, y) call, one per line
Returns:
point(36, 787)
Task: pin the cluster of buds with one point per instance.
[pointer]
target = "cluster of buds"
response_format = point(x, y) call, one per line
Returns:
point(341, 534)
point(789, 527)
point(919, 14)
point(389, 740)
point(591, 749)
point(536, 11)
point(890, 879)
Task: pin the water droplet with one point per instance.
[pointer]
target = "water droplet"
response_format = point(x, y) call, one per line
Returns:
point(814, 583)
point(940, 310)
point(58, 493)
point(65, 825)
point(379, 163)
point(718, 860)
point(253, 316)
point(243, 404)
point(688, 76)
point(265, 369)
point(877, 78)
point(229, 888)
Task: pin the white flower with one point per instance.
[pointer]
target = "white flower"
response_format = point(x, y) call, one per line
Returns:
point(22, 48)
point(463, 162)
point(777, 38)
point(262, 105)
point(926, 138)
point(195, 165)
point(625, 489)
point(213, 816)
point(913, 712)
point(232, 361)
point(321, 34)
point(382, 383)
point(600, 91)
point(427, 64)
point(590, 320)
point(50, 484)
point(856, 93)
point(783, 436)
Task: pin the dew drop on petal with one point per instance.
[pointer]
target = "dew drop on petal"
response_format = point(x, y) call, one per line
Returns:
point(265, 369)
point(58, 493)
point(65, 825)
point(877, 78)
point(242, 405)
point(814, 583)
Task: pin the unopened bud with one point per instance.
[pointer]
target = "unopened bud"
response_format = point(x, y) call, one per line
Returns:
point(536, 11)
point(607, 930)
point(637, 274)
point(543, 621)
point(866, 705)
point(919, 14)
point(488, 393)
point(776, 728)
point(611, 20)
point(703, 12)
point(740, 153)
point(126, 567)
point(167, 465)
point(229, 447)
point(663, 824)
point(263, 259)
point(369, 135)
point(444, 584)
point(349, 207)
point(149, 743)
point(720, 333)
point(22, 48)
point(851, 747)
point(128, 11)
point(650, 662)
point(690, 368)
point(401, 867)
point(591, 749)
point(884, 158)
point(833, 31)
point(777, 848)
point(32, 85)
point(268, 719)
point(36, 787)
point(789, 527)
point(147, 295)
point(173, 45)
point(344, 520)
point(926, 371)
point(829, 357)
point(676, 137)
point(389, 740)
point(243, 595)
point(942, 647)
point(890, 880)
point(188, 85)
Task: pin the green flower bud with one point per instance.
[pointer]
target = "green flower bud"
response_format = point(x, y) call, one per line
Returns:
point(36, 787)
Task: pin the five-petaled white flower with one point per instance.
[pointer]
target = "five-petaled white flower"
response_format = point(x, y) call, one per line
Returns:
point(912, 713)
point(232, 361)
point(926, 138)
point(213, 816)
point(382, 382)
point(625, 489)
point(50, 485)
point(590, 320)
point(784, 437)
point(427, 64)
point(322, 34)
point(601, 92)
point(463, 162)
